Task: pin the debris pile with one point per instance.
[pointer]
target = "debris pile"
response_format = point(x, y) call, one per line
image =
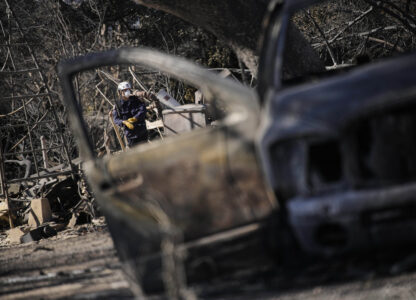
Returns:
point(50, 206)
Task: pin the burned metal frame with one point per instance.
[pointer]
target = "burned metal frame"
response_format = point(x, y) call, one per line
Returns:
point(30, 126)
point(36, 178)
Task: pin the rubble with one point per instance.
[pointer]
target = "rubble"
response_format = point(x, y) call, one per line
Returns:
point(79, 218)
point(43, 209)
point(14, 189)
point(63, 195)
point(38, 233)
point(15, 234)
point(4, 215)
point(72, 221)
point(58, 226)
point(40, 212)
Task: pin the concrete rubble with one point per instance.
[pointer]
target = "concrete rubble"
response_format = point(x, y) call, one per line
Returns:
point(40, 212)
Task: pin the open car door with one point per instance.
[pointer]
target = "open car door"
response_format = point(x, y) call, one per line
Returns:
point(172, 203)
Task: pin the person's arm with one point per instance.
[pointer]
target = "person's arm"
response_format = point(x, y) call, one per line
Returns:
point(116, 118)
point(140, 112)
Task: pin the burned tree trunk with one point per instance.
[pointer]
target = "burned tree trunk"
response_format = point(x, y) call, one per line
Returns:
point(236, 22)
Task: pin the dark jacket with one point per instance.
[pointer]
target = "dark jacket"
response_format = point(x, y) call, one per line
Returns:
point(132, 108)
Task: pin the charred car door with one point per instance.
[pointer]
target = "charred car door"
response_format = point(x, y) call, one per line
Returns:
point(173, 192)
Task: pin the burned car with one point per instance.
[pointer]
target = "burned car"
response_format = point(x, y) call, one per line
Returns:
point(338, 151)
point(343, 162)
point(328, 153)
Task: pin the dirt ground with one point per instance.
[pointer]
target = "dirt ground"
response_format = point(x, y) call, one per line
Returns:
point(78, 263)
point(81, 263)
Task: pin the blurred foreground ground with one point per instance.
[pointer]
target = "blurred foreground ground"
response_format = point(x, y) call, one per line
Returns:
point(78, 263)
point(81, 263)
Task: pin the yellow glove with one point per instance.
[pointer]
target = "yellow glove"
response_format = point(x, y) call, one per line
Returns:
point(128, 125)
point(132, 120)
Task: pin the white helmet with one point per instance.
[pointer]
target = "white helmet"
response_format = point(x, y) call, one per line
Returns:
point(123, 86)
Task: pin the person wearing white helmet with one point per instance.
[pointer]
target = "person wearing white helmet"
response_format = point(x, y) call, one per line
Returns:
point(131, 114)
point(124, 86)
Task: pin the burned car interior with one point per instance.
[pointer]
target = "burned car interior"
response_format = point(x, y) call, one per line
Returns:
point(329, 151)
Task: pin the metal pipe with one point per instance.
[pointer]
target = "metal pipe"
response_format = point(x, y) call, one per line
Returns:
point(35, 150)
point(44, 153)
point(30, 138)
point(55, 174)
